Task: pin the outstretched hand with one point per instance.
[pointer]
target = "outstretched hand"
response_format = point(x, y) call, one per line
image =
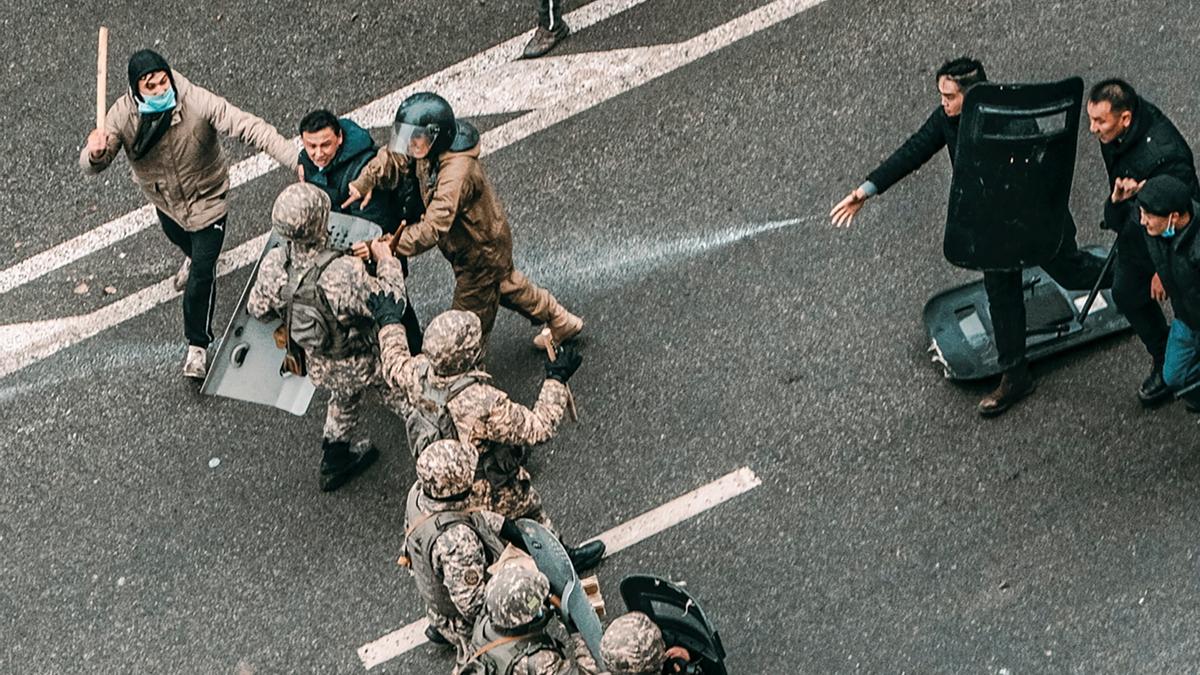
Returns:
point(355, 195)
point(844, 212)
point(1124, 188)
point(385, 308)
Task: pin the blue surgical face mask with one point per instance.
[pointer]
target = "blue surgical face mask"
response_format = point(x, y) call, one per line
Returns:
point(157, 104)
point(1170, 231)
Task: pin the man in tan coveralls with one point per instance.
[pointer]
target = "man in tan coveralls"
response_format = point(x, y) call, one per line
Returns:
point(462, 216)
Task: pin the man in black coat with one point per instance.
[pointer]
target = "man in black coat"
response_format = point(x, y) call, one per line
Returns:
point(335, 152)
point(1137, 142)
point(1071, 268)
point(1167, 208)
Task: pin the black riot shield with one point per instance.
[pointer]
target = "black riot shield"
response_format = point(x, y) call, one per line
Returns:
point(1012, 174)
point(247, 362)
point(680, 618)
point(552, 560)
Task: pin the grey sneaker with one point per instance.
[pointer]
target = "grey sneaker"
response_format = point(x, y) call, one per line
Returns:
point(543, 40)
point(181, 276)
point(196, 365)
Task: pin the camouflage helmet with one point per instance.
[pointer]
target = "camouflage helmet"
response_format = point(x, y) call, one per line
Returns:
point(633, 645)
point(516, 596)
point(301, 214)
point(446, 468)
point(452, 342)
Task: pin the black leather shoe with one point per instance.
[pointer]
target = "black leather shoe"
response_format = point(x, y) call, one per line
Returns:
point(341, 463)
point(544, 40)
point(586, 557)
point(435, 636)
point(1015, 385)
point(1154, 390)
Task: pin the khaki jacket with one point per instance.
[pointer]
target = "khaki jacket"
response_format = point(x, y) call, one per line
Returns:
point(186, 174)
point(462, 217)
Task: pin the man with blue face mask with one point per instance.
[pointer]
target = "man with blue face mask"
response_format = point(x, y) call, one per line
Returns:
point(1166, 206)
point(169, 129)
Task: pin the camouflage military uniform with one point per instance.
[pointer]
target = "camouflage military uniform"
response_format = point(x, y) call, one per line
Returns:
point(513, 635)
point(302, 216)
point(449, 561)
point(633, 645)
point(483, 415)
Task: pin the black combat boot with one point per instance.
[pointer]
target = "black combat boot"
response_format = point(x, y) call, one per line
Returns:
point(341, 462)
point(586, 557)
point(1015, 384)
point(544, 40)
point(1154, 389)
point(435, 636)
point(1191, 400)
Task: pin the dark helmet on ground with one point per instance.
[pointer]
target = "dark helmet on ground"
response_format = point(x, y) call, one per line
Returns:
point(424, 117)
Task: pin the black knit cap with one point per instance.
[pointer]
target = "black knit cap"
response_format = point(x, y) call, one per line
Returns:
point(142, 63)
point(1164, 195)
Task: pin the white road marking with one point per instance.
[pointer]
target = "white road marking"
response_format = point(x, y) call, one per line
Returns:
point(552, 89)
point(617, 539)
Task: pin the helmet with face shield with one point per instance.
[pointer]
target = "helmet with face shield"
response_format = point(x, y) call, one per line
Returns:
point(425, 126)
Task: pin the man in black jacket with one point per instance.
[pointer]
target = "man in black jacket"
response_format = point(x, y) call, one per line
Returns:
point(335, 152)
point(1167, 207)
point(1071, 268)
point(1137, 142)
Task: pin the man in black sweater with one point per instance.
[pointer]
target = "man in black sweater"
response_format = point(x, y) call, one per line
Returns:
point(335, 152)
point(1167, 206)
point(1071, 268)
point(1137, 142)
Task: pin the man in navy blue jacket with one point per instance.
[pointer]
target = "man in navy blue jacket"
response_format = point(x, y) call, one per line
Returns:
point(335, 152)
point(1071, 268)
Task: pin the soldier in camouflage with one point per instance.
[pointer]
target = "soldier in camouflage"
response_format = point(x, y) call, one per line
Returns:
point(633, 645)
point(514, 634)
point(484, 417)
point(301, 215)
point(449, 546)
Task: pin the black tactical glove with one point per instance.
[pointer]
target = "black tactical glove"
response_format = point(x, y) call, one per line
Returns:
point(385, 308)
point(566, 362)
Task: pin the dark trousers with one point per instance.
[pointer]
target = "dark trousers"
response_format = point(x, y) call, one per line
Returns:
point(1131, 291)
point(1072, 269)
point(200, 296)
point(412, 328)
point(550, 14)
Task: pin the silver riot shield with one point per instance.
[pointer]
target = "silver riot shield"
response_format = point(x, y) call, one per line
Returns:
point(247, 365)
point(552, 560)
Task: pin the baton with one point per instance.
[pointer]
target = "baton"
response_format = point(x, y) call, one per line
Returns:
point(1087, 305)
point(101, 76)
point(549, 338)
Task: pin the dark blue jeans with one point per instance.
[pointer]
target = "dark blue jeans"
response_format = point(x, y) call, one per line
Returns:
point(200, 296)
point(1182, 365)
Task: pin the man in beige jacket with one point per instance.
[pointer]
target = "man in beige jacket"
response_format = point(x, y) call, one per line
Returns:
point(169, 130)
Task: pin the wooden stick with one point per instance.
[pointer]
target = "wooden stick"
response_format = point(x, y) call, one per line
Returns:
point(102, 77)
point(548, 337)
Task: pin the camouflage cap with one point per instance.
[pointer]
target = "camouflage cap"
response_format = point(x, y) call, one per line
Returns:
point(446, 468)
point(516, 596)
point(452, 342)
point(301, 214)
point(633, 645)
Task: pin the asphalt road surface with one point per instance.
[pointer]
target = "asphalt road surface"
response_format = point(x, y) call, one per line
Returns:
point(894, 530)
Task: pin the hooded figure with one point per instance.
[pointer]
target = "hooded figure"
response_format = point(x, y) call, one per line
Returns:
point(321, 296)
point(482, 415)
point(171, 132)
